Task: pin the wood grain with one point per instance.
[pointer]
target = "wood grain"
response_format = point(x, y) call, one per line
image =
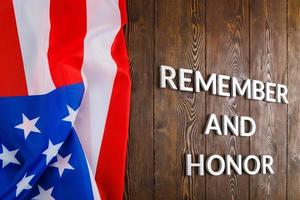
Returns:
point(268, 62)
point(179, 117)
point(140, 43)
point(227, 53)
point(293, 171)
point(257, 39)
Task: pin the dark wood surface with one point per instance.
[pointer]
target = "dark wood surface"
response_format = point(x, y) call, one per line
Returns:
point(140, 41)
point(227, 53)
point(179, 41)
point(268, 62)
point(257, 39)
point(293, 151)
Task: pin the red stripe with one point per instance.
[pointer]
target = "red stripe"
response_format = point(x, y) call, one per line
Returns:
point(111, 165)
point(66, 43)
point(12, 75)
point(122, 5)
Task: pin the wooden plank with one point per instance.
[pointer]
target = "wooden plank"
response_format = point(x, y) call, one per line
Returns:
point(268, 62)
point(293, 180)
point(140, 43)
point(179, 117)
point(227, 25)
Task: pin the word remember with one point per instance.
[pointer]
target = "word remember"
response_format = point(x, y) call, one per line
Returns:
point(222, 85)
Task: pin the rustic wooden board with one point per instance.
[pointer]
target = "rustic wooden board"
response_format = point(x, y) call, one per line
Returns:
point(179, 117)
point(293, 171)
point(227, 53)
point(257, 39)
point(140, 44)
point(268, 62)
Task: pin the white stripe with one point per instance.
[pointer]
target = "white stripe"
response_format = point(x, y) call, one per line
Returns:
point(33, 24)
point(99, 71)
point(96, 193)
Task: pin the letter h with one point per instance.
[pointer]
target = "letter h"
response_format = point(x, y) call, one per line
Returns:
point(199, 164)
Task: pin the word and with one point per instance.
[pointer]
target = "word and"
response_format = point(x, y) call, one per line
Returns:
point(235, 125)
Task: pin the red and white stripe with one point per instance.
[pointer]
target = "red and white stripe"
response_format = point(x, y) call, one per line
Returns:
point(52, 43)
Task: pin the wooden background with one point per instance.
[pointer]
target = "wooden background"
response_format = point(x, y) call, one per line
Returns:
point(257, 39)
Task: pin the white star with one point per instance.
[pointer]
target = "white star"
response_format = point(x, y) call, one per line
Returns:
point(24, 184)
point(52, 151)
point(28, 126)
point(8, 156)
point(72, 115)
point(62, 164)
point(44, 194)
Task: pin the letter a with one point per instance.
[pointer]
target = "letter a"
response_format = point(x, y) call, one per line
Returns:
point(212, 125)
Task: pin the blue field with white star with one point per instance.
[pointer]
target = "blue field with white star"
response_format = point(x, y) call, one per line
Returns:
point(40, 154)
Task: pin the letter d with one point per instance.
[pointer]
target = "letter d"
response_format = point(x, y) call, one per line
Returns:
point(252, 126)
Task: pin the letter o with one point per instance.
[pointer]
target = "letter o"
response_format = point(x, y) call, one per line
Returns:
point(256, 165)
point(221, 165)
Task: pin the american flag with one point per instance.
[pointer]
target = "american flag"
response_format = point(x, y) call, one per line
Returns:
point(64, 99)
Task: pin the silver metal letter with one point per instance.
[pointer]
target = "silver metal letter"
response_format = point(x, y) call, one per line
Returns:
point(221, 168)
point(257, 90)
point(236, 89)
point(200, 83)
point(266, 164)
point(256, 165)
point(212, 125)
point(222, 85)
point(234, 165)
point(282, 92)
point(183, 79)
point(232, 126)
point(269, 93)
point(199, 165)
point(243, 127)
point(164, 78)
